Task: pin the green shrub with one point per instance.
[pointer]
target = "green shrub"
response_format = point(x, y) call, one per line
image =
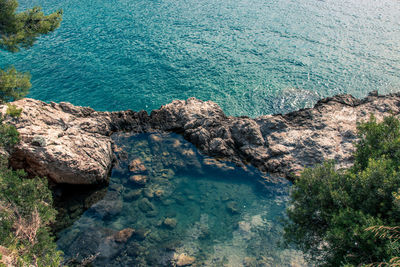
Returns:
point(25, 204)
point(377, 140)
point(25, 214)
point(330, 209)
point(9, 136)
point(13, 111)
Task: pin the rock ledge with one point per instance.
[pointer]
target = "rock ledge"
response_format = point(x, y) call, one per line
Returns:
point(70, 144)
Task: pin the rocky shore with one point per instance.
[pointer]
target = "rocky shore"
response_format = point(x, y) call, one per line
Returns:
point(73, 145)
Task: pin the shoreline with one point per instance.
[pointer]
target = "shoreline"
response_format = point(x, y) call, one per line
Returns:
point(72, 145)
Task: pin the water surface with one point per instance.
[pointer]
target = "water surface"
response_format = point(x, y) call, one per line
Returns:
point(252, 57)
point(192, 205)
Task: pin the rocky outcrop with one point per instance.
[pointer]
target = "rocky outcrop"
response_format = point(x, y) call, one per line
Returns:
point(65, 143)
point(279, 144)
point(70, 144)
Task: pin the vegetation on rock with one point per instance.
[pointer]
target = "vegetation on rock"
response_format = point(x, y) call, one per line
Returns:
point(25, 204)
point(333, 213)
point(9, 136)
point(26, 211)
point(13, 111)
point(25, 214)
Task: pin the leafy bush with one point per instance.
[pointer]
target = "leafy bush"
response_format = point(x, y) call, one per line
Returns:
point(25, 214)
point(9, 136)
point(13, 111)
point(393, 235)
point(330, 209)
point(378, 140)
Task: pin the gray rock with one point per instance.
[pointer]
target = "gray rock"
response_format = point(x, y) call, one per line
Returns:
point(78, 147)
point(109, 206)
point(279, 144)
point(170, 223)
point(65, 143)
point(146, 206)
point(38, 141)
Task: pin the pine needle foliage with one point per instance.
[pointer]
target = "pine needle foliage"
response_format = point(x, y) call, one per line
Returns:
point(21, 30)
point(14, 85)
point(18, 31)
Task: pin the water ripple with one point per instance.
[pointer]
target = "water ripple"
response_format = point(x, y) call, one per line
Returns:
point(243, 54)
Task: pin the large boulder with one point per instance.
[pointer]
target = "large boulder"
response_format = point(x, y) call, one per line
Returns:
point(65, 143)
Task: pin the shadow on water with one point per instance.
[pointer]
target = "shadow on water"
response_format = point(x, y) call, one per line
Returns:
point(168, 205)
point(71, 201)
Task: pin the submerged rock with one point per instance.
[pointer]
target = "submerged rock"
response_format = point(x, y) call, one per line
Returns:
point(134, 249)
point(141, 234)
point(146, 206)
point(109, 206)
point(123, 235)
point(170, 223)
point(133, 194)
point(138, 179)
point(184, 259)
point(233, 207)
point(71, 202)
point(70, 144)
point(159, 193)
point(250, 262)
point(137, 166)
point(148, 192)
point(93, 241)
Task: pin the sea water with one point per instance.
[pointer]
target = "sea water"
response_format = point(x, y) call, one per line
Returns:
point(189, 205)
point(252, 57)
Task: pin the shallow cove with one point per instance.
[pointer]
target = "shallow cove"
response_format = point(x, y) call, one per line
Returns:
point(166, 200)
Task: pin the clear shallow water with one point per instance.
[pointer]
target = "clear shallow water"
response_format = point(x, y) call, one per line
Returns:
point(250, 56)
point(221, 215)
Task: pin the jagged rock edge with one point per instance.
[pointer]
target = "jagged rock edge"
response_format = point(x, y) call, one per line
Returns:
point(77, 147)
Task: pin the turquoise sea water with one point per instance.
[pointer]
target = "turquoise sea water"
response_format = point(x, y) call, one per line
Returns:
point(250, 56)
